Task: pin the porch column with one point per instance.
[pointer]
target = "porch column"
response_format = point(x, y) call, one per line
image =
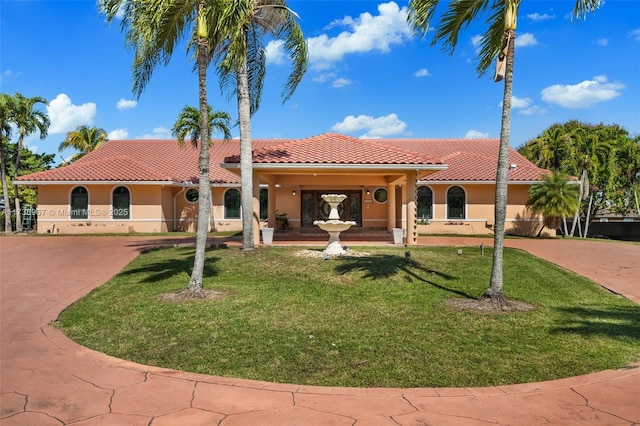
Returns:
point(256, 209)
point(391, 207)
point(412, 228)
point(272, 205)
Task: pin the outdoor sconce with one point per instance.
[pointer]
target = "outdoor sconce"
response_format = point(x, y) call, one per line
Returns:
point(293, 192)
point(368, 192)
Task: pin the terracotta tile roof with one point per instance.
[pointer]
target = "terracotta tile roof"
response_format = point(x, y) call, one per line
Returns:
point(333, 148)
point(165, 160)
point(470, 159)
point(146, 160)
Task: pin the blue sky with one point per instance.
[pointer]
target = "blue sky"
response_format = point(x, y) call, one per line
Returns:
point(368, 74)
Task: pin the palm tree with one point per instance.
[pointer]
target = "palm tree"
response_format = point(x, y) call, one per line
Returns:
point(498, 42)
point(84, 139)
point(7, 103)
point(242, 56)
point(188, 124)
point(154, 28)
point(555, 199)
point(628, 163)
point(589, 155)
point(554, 147)
point(27, 119)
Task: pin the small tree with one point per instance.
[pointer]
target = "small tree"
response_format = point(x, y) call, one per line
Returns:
point(555, 199)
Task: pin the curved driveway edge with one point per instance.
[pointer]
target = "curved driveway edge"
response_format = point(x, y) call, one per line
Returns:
point(46, 379)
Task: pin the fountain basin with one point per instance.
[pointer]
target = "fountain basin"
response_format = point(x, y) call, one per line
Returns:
point(334, 226)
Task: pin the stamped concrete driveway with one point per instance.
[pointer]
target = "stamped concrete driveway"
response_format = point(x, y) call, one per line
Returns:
point(46, 379)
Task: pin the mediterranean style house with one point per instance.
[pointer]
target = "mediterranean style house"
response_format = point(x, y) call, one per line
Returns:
point(419, 185)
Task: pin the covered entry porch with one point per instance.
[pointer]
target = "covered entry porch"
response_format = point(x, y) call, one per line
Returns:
point(378, 179)
point(376, 202)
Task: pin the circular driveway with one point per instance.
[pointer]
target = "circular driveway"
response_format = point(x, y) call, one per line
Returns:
point(46, 379)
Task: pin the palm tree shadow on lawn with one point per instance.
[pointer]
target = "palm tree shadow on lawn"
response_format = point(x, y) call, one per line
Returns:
point(384, 266)
point(182, 263)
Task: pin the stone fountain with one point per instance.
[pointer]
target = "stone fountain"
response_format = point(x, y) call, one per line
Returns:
point(334, 226)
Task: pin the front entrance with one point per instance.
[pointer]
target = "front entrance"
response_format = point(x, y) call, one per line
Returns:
point(315, 208)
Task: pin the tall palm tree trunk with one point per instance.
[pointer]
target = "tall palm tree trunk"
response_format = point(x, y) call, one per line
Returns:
point(246, 160)
point(15, 187)
point(495, 293)
point(586, 223)
point(5, 192)
point(195, 283)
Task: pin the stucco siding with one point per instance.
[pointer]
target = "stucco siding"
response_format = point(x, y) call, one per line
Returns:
point(54, 210)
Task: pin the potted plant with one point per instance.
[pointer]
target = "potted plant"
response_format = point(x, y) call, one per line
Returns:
point(282, 222)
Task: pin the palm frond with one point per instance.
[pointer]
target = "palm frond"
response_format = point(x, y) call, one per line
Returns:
point(421, 14)
point(584, 7)
point(256, 67)
point(492, 42)
point(459, 15)
point(295, 45)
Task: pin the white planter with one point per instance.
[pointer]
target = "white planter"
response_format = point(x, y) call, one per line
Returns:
point(267, 236)
point(398, 236)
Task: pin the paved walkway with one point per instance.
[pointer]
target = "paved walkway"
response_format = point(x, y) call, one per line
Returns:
point(46, 379)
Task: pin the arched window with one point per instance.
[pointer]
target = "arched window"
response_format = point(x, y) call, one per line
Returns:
point(455, 203)
point(425, 203)
point(79, 203)
point(232, 204)
point(121, 203)
point(264, 204)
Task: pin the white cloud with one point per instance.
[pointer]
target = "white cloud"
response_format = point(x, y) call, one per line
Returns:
point(8, 74)
point(336, 82)
point(526, 39)
point(422, 73)
point(376, 127)
point(274, 52)
point(536, 17)
point(363, 34)
point(476, 41)
point(602, 41)
point(158, 133)
point(524, 106)
point(65, 116)
point(533, 109)
point(124, 104)
point(584, 94)
point(635, 34)
point(341, 82)
point(321, 78)
point(520, 102)
point(118, 134)
point(475, 134)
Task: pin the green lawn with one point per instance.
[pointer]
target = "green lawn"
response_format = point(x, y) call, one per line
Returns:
point(373, 321)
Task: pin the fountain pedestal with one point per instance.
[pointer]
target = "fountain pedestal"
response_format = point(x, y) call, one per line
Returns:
point(334, 226)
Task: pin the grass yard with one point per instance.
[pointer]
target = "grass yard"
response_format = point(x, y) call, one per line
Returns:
point(370, 321)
